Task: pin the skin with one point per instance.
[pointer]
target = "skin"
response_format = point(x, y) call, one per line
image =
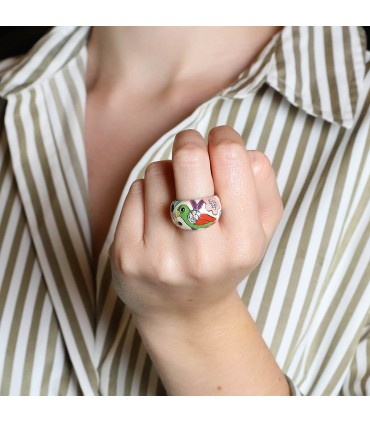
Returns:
point(194, 325)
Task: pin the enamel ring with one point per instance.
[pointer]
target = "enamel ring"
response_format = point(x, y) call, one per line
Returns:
point(196, 214)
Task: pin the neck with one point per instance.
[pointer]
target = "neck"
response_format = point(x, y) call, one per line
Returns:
point(158, 58)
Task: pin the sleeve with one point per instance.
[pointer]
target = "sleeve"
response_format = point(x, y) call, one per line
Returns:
point(357, 380)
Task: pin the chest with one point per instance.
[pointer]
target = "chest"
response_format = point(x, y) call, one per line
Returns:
point(115, 140)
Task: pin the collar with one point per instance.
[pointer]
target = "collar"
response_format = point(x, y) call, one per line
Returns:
point(51, 53)
point(318, 69)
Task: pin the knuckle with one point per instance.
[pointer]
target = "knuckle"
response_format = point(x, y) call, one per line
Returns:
point(248, 253)
point(263, 167)
point(189, 156)
point(154, 169)
point(163, 271)
point(229, 152)
point(123, 261)
point(203, 267)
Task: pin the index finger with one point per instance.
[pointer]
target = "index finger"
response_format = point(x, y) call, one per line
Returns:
point(234, 182)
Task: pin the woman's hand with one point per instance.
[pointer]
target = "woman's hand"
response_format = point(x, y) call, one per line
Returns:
point(161, 271)
point(181, 285)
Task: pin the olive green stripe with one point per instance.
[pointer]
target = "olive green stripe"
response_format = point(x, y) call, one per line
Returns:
point(355, 300)
point(290, 121)
point(133, 357)
point(38, 72)
point(296, 33)
point(330, 74)
point(342, 248)
point(251, 117)
point(280, 65)
point(7, 213)
point(277, 100)
point(10, 265)
point(144, 381)
point(315, 96)
point(68, 375)
point(363, 157)
point(118, 356)
point(50, 253)
point(299, 157)
point(215, 113)
point(348, 385)
point(113, 327)
point(323, 248)
point(104, 286)
point(59, 216)
point(235, 106)
point(268, 295)
point(262, 143)
point(77, 170)
point(50, 354)
point(78, 103)
point(366, 376)
point(32, 338)
point(68, 136)
point(14, 334)
point(305, 239)
point(351, 77)
point(247, 79)
point(5, 167)
point(296, 274)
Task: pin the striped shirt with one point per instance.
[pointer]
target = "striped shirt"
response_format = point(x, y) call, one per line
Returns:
point(304, 102)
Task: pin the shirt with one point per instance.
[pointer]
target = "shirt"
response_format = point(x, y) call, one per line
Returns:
point(304, 102)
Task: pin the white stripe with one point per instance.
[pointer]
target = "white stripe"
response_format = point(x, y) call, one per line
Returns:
point(125, 356)
point(9, 239)
point(358, 313)
point(41, 348)
point(59, 360)
point(340, 72)
point(20, 358)
point(57, 123)
point(11, 300)
point(5, 191)
point(135, 389)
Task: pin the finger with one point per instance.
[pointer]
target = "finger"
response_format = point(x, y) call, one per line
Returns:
point(159, 193)
point(191, 166)
point(234, 182)
point(270, 205)
point(130, 226)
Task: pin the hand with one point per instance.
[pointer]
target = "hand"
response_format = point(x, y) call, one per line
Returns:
point(162, 272)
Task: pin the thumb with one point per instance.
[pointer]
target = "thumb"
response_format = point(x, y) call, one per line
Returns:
point(270, 205)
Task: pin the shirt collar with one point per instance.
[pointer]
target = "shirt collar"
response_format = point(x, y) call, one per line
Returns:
point(318, 69)
point(51, 53)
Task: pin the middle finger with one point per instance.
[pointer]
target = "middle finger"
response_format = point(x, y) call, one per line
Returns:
point(191, 166)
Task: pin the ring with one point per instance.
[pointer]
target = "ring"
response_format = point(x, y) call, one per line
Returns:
point(196, 214)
